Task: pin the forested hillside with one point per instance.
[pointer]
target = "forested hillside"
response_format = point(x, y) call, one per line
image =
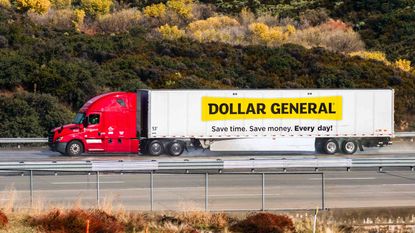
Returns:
point(55, 55)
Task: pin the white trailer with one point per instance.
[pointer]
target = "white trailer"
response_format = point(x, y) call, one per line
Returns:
point(325, 120)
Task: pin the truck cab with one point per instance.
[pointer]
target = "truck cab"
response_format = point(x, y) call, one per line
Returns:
point(104, 124)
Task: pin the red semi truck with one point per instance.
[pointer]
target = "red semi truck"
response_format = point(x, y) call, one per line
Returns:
point(167, 121)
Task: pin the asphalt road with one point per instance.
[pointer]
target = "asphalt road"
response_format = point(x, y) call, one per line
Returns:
point(398, 149)
point(225, 191)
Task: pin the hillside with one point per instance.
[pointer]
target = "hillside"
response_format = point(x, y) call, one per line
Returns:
point(53, 60)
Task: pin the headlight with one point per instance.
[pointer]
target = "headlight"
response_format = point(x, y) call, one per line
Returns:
point(59, 139)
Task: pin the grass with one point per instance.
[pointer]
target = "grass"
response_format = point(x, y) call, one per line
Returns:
point(47, 217)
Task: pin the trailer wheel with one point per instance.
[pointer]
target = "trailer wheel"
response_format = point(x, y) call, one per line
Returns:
point(330, 146)
point(175, 148)
point(155, 148)
point(349, 146)
point(74, 148)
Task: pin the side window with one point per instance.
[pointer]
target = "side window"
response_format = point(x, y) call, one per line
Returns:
point(121, 102)
point(93, 119)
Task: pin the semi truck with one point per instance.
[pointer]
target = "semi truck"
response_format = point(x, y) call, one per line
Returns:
point(159, 122)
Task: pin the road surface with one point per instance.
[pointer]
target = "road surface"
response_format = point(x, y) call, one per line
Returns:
point(399, 149)
point(225, 191)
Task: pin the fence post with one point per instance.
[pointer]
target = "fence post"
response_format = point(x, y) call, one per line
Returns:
point(31, 188)
point(263, 192)
point(151, 191)
point(98, 194)
point(206, 191)
point(322, 192)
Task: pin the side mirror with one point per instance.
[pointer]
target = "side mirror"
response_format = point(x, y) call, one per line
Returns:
point(85, 122)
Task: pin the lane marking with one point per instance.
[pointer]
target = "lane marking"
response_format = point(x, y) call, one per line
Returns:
point(86, 182)
point(346, 178)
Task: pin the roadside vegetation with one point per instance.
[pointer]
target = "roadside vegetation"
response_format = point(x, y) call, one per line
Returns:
point(56, 54)
point(95, 220)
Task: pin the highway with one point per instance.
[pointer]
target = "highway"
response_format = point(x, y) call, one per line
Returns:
point(225, 191)
point(398, 149)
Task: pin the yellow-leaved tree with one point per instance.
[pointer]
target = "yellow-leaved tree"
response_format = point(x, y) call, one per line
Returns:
point(181, 7)
point(271, 36)
point(170, 32)
point(38, 6)
point(155, 10)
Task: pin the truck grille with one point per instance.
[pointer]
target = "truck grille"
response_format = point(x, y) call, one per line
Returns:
point(50, 138)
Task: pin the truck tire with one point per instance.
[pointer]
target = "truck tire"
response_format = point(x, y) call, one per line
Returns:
point(175, 148)
point(155, 148)
point(349, 147)
point(330, 146)
point(74, 148)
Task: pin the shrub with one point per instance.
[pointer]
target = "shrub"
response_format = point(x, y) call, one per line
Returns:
point(334, 36)
point(403, 64)
point(271, 36)
point(170, 32)
point(74, 221)
point(220, 28)
point(155, 10)
point(5, 4)
point(181, 7)
point(61, 4)
point(3, 220)
point(265, 223)
point(96, 7)
point(57, 19)
point(78, 21)
point(372, 55)
point(120, 21)
point(38, 6)
point(313, 17)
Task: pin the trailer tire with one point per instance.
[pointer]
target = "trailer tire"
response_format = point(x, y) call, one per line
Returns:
point(155, 148)
point(74, 148)
point(330, 146)
point(349, 146)
point(175, 148)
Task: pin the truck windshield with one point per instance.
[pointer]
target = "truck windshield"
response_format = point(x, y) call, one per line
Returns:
point(79, 118)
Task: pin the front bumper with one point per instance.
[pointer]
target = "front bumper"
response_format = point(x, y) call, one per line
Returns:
point(58, 146)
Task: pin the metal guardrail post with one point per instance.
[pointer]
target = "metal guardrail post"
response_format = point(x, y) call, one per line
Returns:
point(206, 191)
point(322, 192)
point(31, 188)
point(263, 192)
point(151, 191)
point(98, 194)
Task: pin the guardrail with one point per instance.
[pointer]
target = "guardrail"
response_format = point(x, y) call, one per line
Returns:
point(45, 140)
point(218, 165)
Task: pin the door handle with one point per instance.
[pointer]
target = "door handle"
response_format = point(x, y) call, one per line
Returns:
point(99, 133)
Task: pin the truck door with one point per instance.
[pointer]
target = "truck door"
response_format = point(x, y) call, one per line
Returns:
point(93, 133)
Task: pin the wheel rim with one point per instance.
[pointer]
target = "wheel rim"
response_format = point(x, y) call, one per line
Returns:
point(331, 147)
point(349, 146)
point(175, 148)
point(75, 149)
point(155, 148)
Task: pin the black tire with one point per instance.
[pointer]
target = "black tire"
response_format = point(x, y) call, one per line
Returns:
point(74, 148)
point(155, 148)
point(175, 148)
point(349, 147)
point(330, 146)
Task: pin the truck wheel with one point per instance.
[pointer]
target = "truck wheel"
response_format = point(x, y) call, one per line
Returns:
point(175, 148)
point(155, 148)
point(330, 146)
point(349, 147)
point(74, 148)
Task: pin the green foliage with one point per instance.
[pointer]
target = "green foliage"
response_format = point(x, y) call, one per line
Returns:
point(30, 115)
point(66, 69)
point(96, 7)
